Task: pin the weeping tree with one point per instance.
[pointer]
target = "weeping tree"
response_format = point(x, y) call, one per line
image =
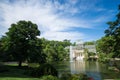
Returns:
point(22, 40)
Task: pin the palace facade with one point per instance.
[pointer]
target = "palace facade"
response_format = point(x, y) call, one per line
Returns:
point(78, 52)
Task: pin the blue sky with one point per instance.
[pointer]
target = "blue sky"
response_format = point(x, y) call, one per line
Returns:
point(61, 19)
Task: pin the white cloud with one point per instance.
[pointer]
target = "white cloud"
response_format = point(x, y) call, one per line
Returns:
point(52, 17)
point(44, 15)
point(52, 35)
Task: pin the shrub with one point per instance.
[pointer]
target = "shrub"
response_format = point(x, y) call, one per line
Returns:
point(4, 68)
point(48, 69)
point(44, 69)
point(79, 77)
point(49, 77)
point(68, 76)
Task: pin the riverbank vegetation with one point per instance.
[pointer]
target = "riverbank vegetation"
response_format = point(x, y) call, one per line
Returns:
point(22, 45)
point(110, 44)
point(44, 72)
point(108, 47)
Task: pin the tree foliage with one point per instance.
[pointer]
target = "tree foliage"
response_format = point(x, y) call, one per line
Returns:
point(21, 41)
point(90, 43)
point(114, 31)
point(105, 45)
point(55, 50)
point(21, 44)
point(3, 48)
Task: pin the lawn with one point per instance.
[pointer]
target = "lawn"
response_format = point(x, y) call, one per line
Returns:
point(13, 78)
point(12, 72)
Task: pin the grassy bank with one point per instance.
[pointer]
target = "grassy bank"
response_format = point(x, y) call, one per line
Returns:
point(12, 78)
point(10, 71)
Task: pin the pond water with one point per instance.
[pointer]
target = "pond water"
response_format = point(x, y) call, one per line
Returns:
point(93, 69)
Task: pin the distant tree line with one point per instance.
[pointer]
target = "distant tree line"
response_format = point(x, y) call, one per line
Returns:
point(55, 50)
point(90, 43)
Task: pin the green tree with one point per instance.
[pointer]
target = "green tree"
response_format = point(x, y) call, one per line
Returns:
point(21, 40)
point(55, 50)
point(66, 43)
point(114, 31)
point(90, 43)
point(35, 53)
point(4, 45)
point(2, 54)
point(105, 45)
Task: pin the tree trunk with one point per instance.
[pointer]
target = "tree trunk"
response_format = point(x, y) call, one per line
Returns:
point(20, 63)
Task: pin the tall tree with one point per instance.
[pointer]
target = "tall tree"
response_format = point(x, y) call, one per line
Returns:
point(105, 45)
point(22, 38)
point(35, 53)
point(114, 31)
point(55, 50)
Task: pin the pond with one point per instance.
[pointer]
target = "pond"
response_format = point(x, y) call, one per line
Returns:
point(93, 69)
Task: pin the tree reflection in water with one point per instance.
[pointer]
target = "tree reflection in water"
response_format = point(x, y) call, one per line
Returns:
point(90, 68)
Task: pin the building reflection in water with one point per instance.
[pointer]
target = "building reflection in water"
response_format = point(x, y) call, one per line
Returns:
point(84, 66)
point(89, 68)
point(78, 67)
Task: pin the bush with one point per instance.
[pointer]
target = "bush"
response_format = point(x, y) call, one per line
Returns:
point(33, 72)
point(103, 58)
point(44, 69)
point(79, 77)
point(68, 76)
point(48, 69)
point(3, 69)
point(65, 76)
point(49, 77)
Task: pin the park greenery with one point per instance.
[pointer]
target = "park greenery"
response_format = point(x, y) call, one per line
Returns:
point(21, 44)
point(109, 45)
point(89, 43)
point(55, 50)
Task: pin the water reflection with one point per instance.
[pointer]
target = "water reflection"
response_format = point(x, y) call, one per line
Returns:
point(77, 67)
point(90, 68)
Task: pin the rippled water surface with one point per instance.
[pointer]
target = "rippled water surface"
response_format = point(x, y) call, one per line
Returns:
point(96, 70)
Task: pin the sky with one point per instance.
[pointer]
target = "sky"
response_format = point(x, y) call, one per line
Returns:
point(61, 19)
